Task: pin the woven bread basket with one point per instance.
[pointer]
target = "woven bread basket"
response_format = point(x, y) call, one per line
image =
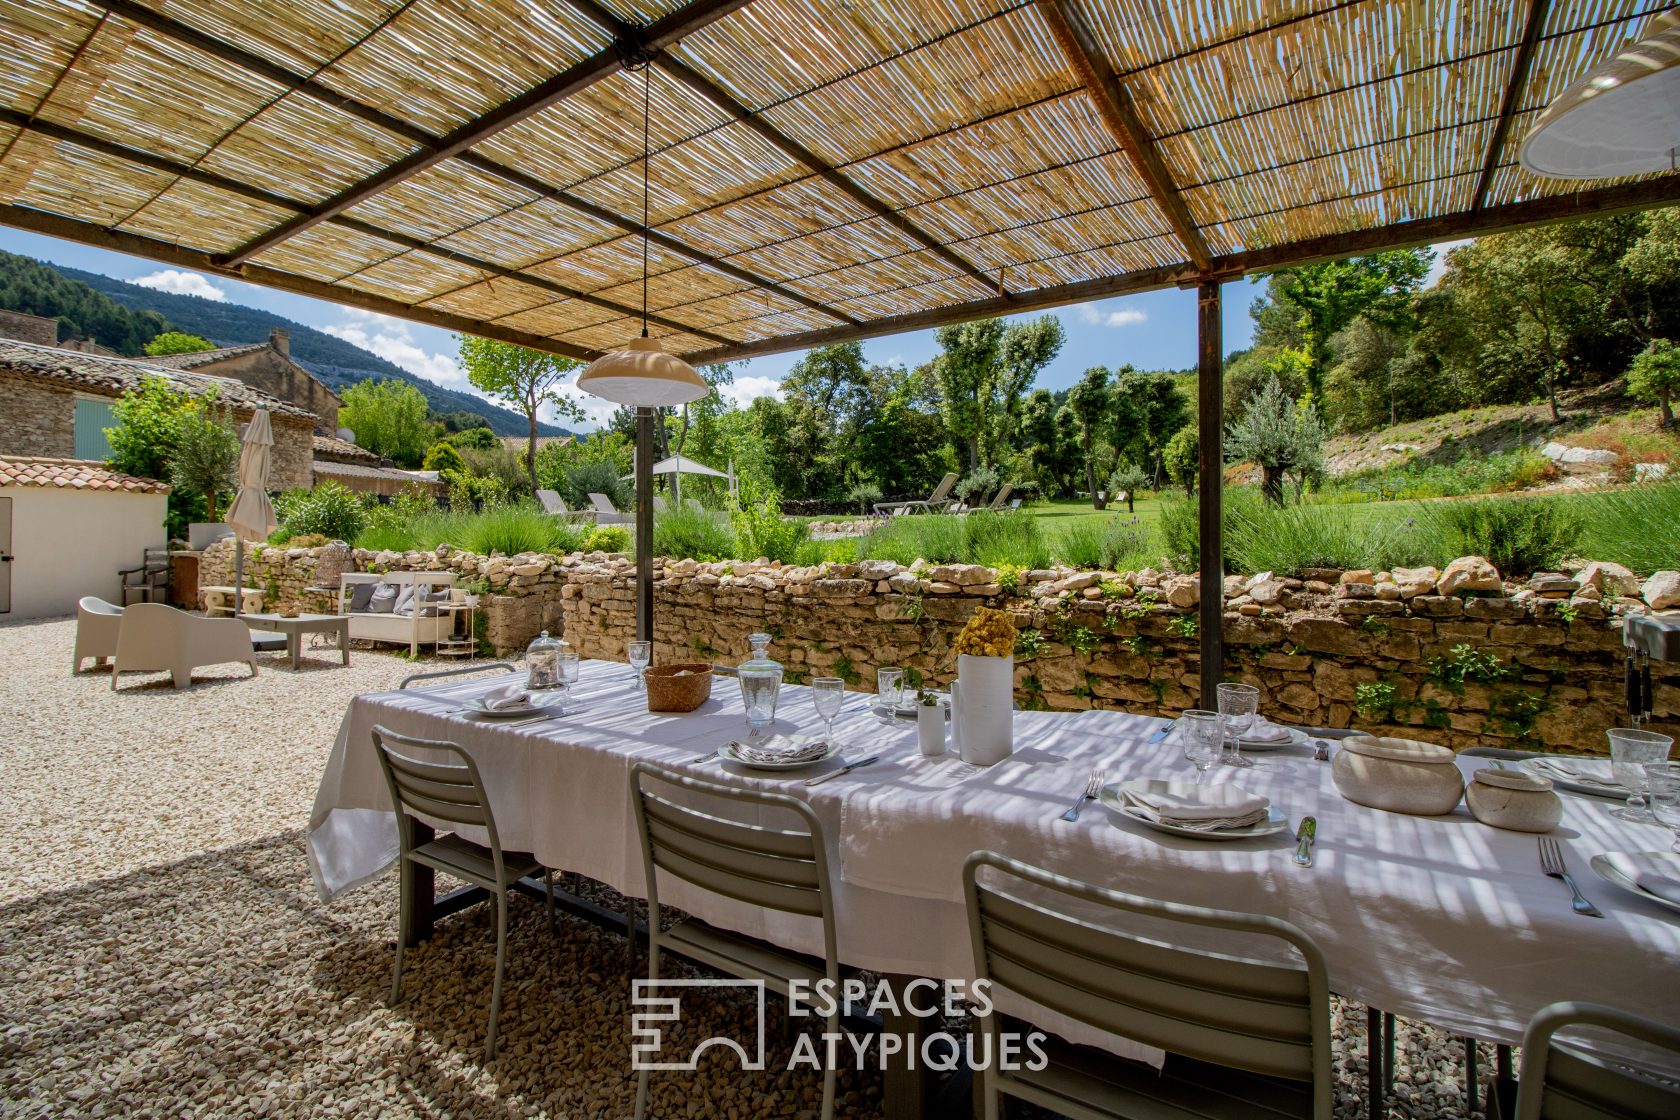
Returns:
point(679, 687)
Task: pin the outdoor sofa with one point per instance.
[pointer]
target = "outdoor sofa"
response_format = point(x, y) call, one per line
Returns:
point(400, 607)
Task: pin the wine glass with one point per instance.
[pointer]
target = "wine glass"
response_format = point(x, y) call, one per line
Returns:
point(827, 696)
point(1237, 706)
point(889, 685)
point(639, 654)
point(1664, 779)
point(569, 663)
point(1631, 750)
point(1204, 734)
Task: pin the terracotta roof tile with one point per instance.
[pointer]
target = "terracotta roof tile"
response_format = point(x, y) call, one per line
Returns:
point(343, 451)
point(75, 474)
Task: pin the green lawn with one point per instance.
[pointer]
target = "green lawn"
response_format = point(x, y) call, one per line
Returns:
point(1057, 513)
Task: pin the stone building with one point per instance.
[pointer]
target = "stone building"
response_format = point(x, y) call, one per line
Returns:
point(57, 404)
point(267, 367)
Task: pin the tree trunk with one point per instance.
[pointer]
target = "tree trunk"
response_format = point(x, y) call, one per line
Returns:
point(1271, 483)
point(1665, 403)
point(1090, 475)
point(531, 449)
point(1131, 496)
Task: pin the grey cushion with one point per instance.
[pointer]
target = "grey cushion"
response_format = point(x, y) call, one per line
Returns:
point(360, 594)
point(405, 596)
point(384, 598)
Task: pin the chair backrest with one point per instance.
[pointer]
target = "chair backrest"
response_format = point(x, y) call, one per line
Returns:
point(1259, 1016)
point(943, 490)
point(1560, 1082)
point(1014, 503)
point(552, 501)
point(602, 503)
point(694, 504)
point(462, 671)
point(772, 868)
point(1002, 496)
point(451, 792)
point(93, 604)
point(659, 504)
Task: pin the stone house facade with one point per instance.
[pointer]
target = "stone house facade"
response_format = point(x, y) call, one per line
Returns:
point(269, 368)
point(56, 403)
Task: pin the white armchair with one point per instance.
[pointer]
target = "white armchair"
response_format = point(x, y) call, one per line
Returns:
point(156, 638)
point(97, 625)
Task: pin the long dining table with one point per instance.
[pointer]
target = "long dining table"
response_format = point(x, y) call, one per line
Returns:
point(1437, 919)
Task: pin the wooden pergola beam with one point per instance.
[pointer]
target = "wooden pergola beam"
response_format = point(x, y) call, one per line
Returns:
point(1514, 87)
point(1114, 106)
point(1642, 195)
point(305, 86)
point(67, 135)
point(666, 30)
point(72, 229)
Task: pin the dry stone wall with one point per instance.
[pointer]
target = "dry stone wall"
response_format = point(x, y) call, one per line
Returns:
point(1381, 651)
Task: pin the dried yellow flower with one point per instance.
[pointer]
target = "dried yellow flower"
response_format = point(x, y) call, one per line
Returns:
point(989, 633)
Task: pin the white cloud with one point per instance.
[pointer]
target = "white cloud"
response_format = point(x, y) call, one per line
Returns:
point(391, 339)
point(596, 411)
point(745, 390)
point(181, 283)
point(1129, 317)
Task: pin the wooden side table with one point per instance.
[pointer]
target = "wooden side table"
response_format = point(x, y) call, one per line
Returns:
point(467, 644)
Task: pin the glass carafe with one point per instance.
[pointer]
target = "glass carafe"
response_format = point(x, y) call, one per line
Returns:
point(542, 663)
point(761, 684)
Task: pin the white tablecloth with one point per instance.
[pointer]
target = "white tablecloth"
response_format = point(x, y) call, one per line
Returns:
point(1438, 919)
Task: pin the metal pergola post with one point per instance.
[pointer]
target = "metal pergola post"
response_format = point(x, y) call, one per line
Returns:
point(644, 524)
point(1210, 410)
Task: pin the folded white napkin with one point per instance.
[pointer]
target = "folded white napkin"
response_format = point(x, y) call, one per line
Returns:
point(1192, 806)
point(1263, 730)
point(780, 748)
point(505, 699)
point(1587, 771)
point(1649, 872)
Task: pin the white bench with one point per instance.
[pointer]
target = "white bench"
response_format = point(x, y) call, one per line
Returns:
point(413, 630)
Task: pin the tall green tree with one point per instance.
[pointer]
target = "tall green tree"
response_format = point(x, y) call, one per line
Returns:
point(1148, 408)
point(1655, 375)
point(206, 455)
point(389, 419)
point(1091, 403)
point(523, 379)
point(984, 370)
point(177, 342)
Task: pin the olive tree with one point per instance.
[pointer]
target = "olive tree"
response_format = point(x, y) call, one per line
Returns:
point(1281, 438)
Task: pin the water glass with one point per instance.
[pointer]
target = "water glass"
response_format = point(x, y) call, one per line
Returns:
point(1631, 750)
point(1238, 704)
point(828, 694)
point(1664, 781)
point(639, 654)
point(1203, 734)
point(889, 686)
point(569, 664)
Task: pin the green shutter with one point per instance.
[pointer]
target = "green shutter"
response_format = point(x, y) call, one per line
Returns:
point(92, 418)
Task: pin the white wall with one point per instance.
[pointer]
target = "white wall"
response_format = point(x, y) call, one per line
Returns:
point(69, 543)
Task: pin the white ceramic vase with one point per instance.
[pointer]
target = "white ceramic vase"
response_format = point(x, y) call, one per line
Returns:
point(986, 716)
point(930, 729)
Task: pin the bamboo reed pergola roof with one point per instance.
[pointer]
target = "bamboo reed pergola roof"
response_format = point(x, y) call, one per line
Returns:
point(822, 169)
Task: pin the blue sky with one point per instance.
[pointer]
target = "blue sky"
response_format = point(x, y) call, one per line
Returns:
point(1156, 330)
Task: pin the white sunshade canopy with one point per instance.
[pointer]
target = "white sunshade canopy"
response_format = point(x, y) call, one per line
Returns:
point(680, 465)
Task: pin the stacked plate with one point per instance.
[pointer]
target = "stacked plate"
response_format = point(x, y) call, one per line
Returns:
point(779, 752)
point(1591, 776)
point(1205, 812)
point(1653, 876)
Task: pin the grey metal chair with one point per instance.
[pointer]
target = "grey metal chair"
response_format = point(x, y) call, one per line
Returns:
point(453, 793)
point(462, 671)
point(1244, 1038)
point(1560, 1082)
point(771, 868)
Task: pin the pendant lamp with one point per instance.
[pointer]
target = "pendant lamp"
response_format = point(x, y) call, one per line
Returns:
point(1621, 118)
point(643, 374)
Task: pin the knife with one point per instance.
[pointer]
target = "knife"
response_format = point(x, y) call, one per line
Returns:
point(1166, 729)
point(1304, 837)
point(847, 769)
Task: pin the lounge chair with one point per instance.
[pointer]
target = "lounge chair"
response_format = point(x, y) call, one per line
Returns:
point(996, 504)
point(939, 499)
point(97, 625)
point(159, 638)
point(553, 503)
point(660, 505)
point(694, 504)
point(608, 514)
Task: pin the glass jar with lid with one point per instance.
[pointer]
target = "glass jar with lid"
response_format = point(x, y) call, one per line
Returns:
point(761, 684)
point(542, 663)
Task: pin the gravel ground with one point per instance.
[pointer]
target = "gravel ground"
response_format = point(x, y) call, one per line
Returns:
point(162, 952)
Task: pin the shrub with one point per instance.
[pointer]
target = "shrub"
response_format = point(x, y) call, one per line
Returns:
point(812, 553)
point(331, 509)
point(760, 528)
point(442, 456)
point(1127, 480)
point(864, 493)
point(1180, 527)
point(1654, 375)
point(608, 538)
point(206, 460)
point(996, 539)
point(596, 478)
point(903, 540)
point(1182, 458)
point(1517, 535)
point(978, 483)
point(1280, 436)
point(1287, 539)
point(1116, 543)
point(685, 532)
point(515, 529)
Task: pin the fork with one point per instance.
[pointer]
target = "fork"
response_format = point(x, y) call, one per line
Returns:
point(1092, 788)
point(1551, 862)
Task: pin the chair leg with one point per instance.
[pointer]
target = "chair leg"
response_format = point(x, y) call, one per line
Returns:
point(829, 1072)
point(1374, 1084)
point(988, 1094)
point(1469, 1074)
point(501, 960)
point(641, 1094)
point(402, 938)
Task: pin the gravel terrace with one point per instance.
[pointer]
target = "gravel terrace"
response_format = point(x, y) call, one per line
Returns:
point(163, 954)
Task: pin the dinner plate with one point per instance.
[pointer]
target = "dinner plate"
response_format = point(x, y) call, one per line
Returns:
point(1275, 821)
point(478, 708)
point(1593, 766)
point(1667, 862)
point(907, 710)
point(1295, 737)
point(727, 753)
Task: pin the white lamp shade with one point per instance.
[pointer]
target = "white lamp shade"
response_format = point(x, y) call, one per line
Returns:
point(1622, 118)
point(643, 375)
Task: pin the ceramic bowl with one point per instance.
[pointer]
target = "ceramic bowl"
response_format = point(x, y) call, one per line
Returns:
point(1398, 775)
point(1514, 800)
